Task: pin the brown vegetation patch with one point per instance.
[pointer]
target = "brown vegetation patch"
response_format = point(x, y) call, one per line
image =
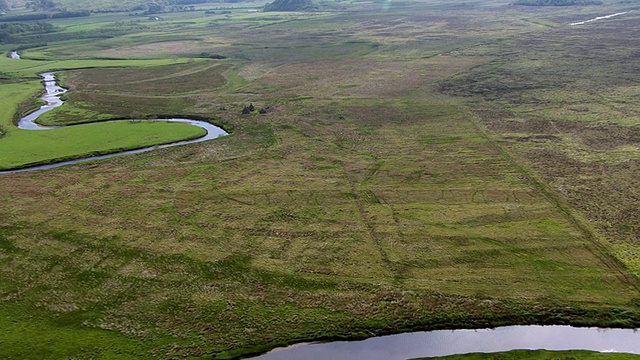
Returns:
point(164, 80)
point(364, 77)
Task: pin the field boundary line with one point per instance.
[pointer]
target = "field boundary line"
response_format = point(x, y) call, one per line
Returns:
point(599, 243)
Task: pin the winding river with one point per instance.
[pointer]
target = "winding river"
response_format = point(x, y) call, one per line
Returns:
point(52, 97)
point(451, 342)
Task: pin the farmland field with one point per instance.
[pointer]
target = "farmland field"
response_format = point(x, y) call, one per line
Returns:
point(426, 165)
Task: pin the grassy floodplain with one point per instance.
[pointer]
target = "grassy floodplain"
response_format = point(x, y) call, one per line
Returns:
point(428, 165)
point(21, 148)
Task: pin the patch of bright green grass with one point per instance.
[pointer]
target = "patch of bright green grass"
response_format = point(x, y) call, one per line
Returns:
point(19, 328)
point(24, 147)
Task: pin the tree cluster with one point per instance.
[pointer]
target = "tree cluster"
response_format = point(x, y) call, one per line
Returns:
point(164, 6)
point(41, 5)
point(45, 16)
point(11, 32)
point(290, 5)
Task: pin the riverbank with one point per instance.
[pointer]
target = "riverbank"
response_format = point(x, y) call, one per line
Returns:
point(455, 325)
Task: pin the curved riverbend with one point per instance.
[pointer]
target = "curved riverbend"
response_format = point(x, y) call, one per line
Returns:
point(52, 97)
point(451, 342)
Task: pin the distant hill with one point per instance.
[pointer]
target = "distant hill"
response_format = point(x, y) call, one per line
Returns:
point(556, 2)
point(290, 5)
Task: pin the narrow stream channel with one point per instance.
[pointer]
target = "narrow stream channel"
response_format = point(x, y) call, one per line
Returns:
point(451, 342)
point(598, 18)
point(52, 97)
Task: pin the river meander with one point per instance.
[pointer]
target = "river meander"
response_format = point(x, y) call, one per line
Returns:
point(450, 342)
point(52, 99)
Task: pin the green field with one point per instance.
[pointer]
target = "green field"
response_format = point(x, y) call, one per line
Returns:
point(427, 165)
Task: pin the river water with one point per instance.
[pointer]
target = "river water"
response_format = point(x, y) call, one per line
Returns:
point(450, 342)
point(598, 18)
point(52, 97)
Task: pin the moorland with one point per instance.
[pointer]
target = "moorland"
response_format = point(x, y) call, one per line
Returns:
point(427, 165)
